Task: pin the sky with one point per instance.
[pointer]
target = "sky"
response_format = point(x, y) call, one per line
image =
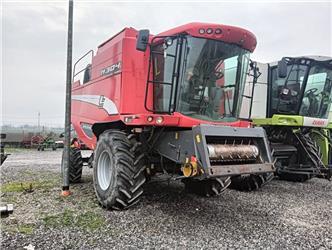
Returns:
point(34, 40)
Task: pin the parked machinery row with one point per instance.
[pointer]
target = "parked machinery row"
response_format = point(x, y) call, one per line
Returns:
point(171, 103)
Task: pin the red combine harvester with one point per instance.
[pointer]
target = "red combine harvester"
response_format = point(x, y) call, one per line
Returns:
point(168, 103)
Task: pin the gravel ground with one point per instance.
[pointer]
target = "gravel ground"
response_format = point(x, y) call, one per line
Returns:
point(282, 215)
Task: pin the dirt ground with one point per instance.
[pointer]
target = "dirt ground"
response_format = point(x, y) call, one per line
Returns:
point(282, 215)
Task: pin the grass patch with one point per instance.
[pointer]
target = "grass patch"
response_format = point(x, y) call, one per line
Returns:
point(26, 186)
point(87, 221)
point(11, 150)
point(25, 228)
point(27, 172)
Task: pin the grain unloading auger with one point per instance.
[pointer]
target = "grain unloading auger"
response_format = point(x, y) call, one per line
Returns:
point(168, 103)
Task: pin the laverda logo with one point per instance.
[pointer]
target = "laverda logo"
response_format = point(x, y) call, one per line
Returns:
point(111, 70)
point(318, 122)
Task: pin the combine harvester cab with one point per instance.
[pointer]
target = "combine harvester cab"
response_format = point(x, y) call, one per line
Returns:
point(170, 104)
point(291, 101)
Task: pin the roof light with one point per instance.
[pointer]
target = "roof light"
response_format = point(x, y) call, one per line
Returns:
point(209, 31)
point(218, 31)
point(201, 31)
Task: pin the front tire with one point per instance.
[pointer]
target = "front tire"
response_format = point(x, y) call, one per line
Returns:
point(118, 170)
point(207, 188)
point(251, 182)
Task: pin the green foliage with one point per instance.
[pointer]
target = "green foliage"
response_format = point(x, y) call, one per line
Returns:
point(26, 186)
point(87, 221)
point(25, 228)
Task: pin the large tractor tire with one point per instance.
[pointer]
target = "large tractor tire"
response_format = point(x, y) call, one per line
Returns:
point(207, 188)
point(118, 170)
point(330, 149)
point(76, 165)
point(3, 158)
point(250, 182)
point(311, 156)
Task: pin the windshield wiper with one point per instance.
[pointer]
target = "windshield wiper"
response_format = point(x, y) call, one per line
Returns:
point(228, 86)
point(188, 112)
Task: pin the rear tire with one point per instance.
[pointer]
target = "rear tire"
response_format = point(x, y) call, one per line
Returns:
point(207, 188)
point(251, 182)
point(118, 170)
point(76, 165)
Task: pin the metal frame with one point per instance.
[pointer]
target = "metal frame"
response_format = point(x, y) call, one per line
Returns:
point(179, 146)
point(256, 74)
point(175, 74)
point(86, 54)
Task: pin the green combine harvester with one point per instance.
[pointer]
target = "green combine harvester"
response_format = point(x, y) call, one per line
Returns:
point(47, 143)
point(291, 99)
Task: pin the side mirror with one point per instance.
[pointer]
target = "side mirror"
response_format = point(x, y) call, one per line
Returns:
point(142, 40)
point(282, 68)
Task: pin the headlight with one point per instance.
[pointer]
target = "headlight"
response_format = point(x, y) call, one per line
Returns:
point(159, 120)
point(150, 118)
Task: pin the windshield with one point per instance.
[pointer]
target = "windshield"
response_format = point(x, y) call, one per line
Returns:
point(291, 95)
point(286, 92)
point(210, 78)
point(317, 93)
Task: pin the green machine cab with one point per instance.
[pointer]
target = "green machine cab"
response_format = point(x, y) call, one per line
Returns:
point(291, 99)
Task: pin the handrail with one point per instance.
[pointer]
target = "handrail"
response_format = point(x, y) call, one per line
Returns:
point(92, 54)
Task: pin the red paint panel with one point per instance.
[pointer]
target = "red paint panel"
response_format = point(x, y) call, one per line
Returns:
point(231, 34)
point(127, 87)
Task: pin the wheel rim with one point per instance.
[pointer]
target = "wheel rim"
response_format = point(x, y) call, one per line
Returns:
point(104, 172)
